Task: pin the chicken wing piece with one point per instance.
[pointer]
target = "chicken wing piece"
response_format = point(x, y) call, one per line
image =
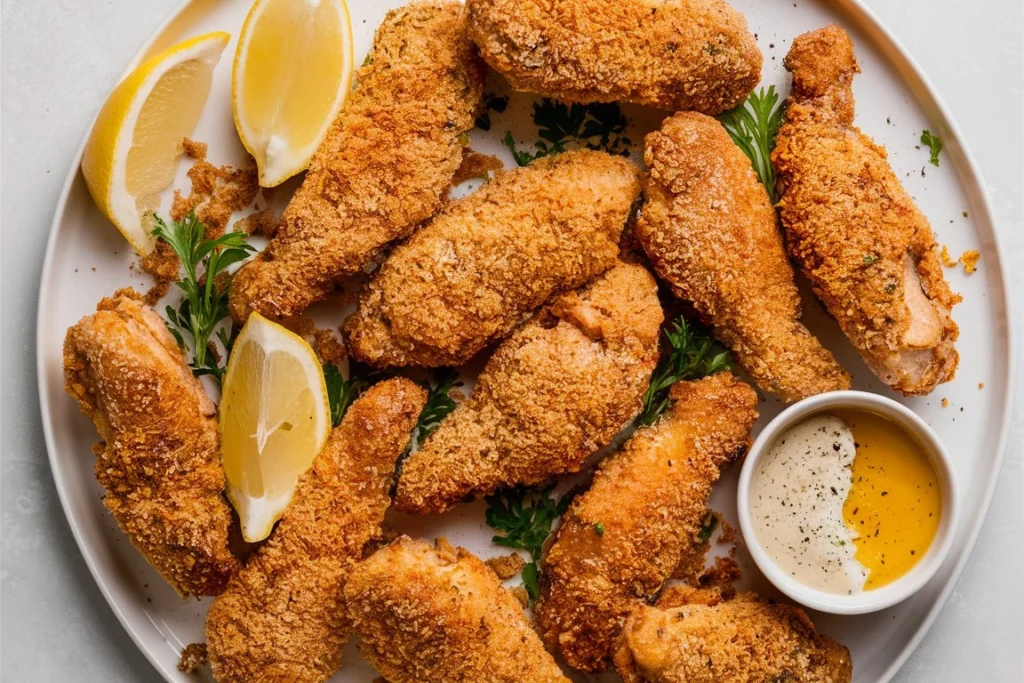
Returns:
point(671, 54)
point(561, 387)
point(384, 166)
point(282, 617)
point(854, 231)
point(709, 229)
point(744, 640)
point(159, 460)
point(441, 615)
point(489, 260)
point(623, 538)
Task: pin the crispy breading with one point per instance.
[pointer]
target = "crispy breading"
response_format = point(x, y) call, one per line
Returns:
point(282, 617)
point(650, 499)
point(561, 387)
point(737, 641)
point(384, 166)
point(672, 54)
point(709, 229)
point(854, 231)
point(489, 260)
point(159, 461)
point(441, 615)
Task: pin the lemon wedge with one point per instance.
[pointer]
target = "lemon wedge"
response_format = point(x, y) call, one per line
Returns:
point(274, 420)
point(133, 149)
point(292, 72)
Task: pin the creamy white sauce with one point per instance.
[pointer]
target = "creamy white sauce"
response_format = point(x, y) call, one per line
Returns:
point(796, 502)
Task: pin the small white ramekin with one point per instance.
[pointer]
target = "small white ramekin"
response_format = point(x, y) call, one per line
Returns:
point(903, 587)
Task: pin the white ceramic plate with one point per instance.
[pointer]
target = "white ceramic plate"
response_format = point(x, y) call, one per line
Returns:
point(87, 259)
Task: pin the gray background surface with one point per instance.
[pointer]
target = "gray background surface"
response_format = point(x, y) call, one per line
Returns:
point(59, 60)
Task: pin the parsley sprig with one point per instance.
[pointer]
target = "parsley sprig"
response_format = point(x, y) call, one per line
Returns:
point(753, 126)
point(934, 144)
point(691, 355)
point(595, 126)
point(523, 517)
point(206, 303)
point(439, 404)
point(342, 392)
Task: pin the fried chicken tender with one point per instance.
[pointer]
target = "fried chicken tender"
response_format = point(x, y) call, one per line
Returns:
point(854, 231)
point(159, 460)
point(744, 640)
point(649, 499)
point(709, 229)
point(384, 166)
point(441, 615)
point(561, 387)
point(671, 54)
point(489, 260)
point(282, 617)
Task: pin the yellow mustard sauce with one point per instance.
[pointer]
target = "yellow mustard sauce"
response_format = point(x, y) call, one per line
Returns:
point(895, 503)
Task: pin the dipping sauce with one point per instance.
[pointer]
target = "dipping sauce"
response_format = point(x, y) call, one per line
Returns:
point(845, 501)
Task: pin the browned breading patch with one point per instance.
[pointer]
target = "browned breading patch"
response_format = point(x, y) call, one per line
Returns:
point(651, 497)
point(216, 192)
point(384, 166)
point(476, 165)
point(192, 657)
point(282, 617)
point(262, 223)
point(970, 260)
point(710, 230)
point(467, 279)
point(866, 248)
point(561, 387)
point(506, 566)
point(441, 615)
point(160, 457)
point(679, 55)
point(946, 259)
point(728, 641)
point(163, 264)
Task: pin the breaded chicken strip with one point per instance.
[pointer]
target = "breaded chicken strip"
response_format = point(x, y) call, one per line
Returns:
point(561, 387)
point(745, 640)
point(159, 460)
point(282, 617)
point(709, 229)
point(649, 500)
point(852, 228)
point(441, 615)
point(384, 166)
point(671, 54)
point(489, 260)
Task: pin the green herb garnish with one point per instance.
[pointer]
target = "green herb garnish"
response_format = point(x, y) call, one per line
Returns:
point(601, 125)
point(492, 102)
point(205, 304)
point(523, 518)
point(934, 144)
point(439, 403)
point(599, 529)
point(707, 527)
point(753, 126)
point(870, 258)
point(341, 392)
point(690, 356)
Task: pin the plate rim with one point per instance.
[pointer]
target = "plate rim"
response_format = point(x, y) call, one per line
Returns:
point(864, 17)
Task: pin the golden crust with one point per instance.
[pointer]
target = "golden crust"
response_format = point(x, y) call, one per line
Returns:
point(384, 166)
point(710, 232)
point(554, 392)
point(441, 615)
point(159, 461)
point(737, 641)
point(674, 54)
point(282, 616)
point(487, 261)
point(650, 499)
point(855, 232)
